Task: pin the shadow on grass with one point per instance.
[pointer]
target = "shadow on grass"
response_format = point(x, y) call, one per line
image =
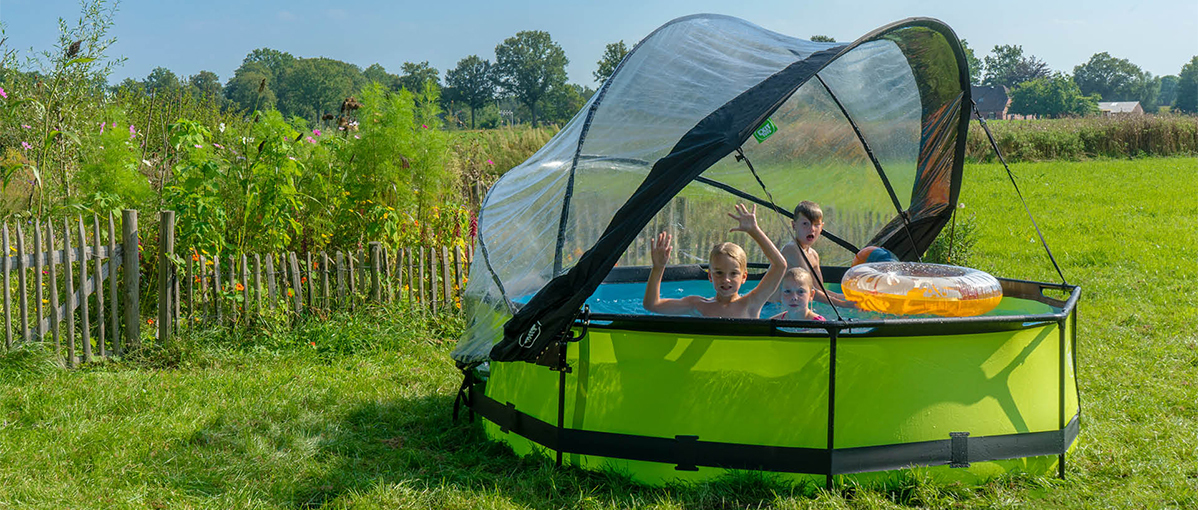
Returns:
point(415, 443)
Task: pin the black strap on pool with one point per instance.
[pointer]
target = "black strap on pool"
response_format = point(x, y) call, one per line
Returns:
point(688, 452)
point(898, 207)
point(740, 156)
point(994, 145)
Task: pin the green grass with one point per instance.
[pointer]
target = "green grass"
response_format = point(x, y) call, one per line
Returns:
point(362, 418)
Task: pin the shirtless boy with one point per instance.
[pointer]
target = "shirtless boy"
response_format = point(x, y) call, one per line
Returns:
point(727, 271)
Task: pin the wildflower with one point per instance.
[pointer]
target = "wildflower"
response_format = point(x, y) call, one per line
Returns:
point(310, 140)
point(222, 127)
point(303, 279)
point(424, 126)
point(197, 279)
point(45, 301)
point(26, 146)
point(102, 124)
point(132, 131)
point(240, 287)
point(290, 293)
point(150, 321)
point(291, 158)
point(489, 162)
point(26, 126)
point(2, 93)
point(356, 137)
point(209, 262)
point(313, 344)
point(217, 145)
point(316, 132)
point(198, 146)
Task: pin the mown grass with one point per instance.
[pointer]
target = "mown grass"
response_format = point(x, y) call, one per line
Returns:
point(355, 412)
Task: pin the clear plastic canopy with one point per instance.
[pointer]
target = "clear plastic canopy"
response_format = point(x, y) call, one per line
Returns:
point(872, 130)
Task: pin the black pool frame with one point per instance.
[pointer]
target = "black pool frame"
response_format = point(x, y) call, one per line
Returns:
point(687, 453)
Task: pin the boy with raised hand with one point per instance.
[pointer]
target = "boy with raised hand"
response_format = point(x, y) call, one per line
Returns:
point(728, 270)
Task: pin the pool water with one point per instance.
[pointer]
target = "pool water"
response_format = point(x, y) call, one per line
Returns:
point(626, 298)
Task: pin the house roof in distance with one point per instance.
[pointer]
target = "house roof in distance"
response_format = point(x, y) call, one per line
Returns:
point(1119, 106)
point(990, 98)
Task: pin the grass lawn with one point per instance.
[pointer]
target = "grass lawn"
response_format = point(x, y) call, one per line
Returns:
point(355, 411)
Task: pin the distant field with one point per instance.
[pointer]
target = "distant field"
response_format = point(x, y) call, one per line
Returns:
point(355, 412)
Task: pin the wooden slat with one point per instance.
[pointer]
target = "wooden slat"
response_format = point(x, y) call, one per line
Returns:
point(446, 285)
point(39, 267)
point(420, 280)
point(69, 280)
point(324, 280)
point(101, 341)
point(353, 281)
point(129, 240)
point(52, 269)
point(85, 329)
point(271, 294)
point(433, 303)
point(405, 272)
point(297, 299)
point(258, 282)
point(205, 296)
point(189, 281)
point(385, 262)
point(231, 278)
point(309, 271)
point(114, 262)
point(360, 276)
point(340, 280)
point(23, 267)
point(7, 284)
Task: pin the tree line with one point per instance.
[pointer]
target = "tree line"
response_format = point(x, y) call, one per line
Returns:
point(1037, 90)
point(526, 81)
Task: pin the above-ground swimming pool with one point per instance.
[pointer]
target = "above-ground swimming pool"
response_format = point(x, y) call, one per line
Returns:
point(665, 398)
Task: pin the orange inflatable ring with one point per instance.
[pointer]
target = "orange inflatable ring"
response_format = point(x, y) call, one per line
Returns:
point(914, 288)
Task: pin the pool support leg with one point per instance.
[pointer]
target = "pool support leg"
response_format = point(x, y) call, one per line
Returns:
point(832, 333)
point(1061, 397)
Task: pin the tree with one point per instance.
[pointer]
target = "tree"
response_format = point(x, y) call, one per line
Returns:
point(1117, 79)
point(975, 64)
point(275, 61)
point(207, 83)
point(1007, 66)
point(1054, 96)
point(1187, 88)
point(471, 83)
point(822, 38)
point(613, 54)
point(313, 86)
point(251, 87)
point(563, 102)
point(528, 65)
point(376, 74)
point(417, 75)
point(162, 80)
point(1168, 90)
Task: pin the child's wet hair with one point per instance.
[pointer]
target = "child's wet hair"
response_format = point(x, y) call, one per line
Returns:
point(800, 275)
point(810, 210)
point(732, 250)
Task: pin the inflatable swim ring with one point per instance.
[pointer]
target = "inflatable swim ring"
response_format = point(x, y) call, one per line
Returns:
point(913, 288)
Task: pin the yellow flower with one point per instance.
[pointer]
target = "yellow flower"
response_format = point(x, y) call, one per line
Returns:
point(45, 301)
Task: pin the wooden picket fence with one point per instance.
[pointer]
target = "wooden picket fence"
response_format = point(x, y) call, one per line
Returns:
point(57, 272)
point(57, 252)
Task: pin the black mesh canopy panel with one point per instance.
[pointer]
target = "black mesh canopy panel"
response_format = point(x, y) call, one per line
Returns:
point(873, 131)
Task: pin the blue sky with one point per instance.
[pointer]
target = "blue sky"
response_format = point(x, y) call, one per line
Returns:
point(215, 35)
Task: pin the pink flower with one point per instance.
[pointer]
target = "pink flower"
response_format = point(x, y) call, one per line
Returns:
point(26, 146)
point(316, 132)
point(26, 126)
point(489, 162)
point(424, 126)
point(310, 140)
point(356, 137)
point(114, 125)
point(217, 145)
point(2, 93)
point(132, 130)
point(198, 146)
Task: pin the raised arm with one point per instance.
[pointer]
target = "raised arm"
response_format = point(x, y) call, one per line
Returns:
point(652, 301)
point(747, 222)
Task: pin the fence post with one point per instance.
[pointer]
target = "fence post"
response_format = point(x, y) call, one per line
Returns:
point(132, 277)
point(375, 290)
point(166, 272)
point(7, 278)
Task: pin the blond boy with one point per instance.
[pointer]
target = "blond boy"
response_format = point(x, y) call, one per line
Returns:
point(728, 270)
point(807, 225)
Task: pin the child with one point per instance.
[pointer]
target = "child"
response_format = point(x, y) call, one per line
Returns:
point(728, 270)
point(797, 290)
point(808, 224)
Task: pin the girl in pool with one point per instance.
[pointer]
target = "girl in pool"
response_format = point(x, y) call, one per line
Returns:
point(798, 287)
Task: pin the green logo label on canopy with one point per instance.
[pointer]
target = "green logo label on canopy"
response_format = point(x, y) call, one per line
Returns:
point(768, 128)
